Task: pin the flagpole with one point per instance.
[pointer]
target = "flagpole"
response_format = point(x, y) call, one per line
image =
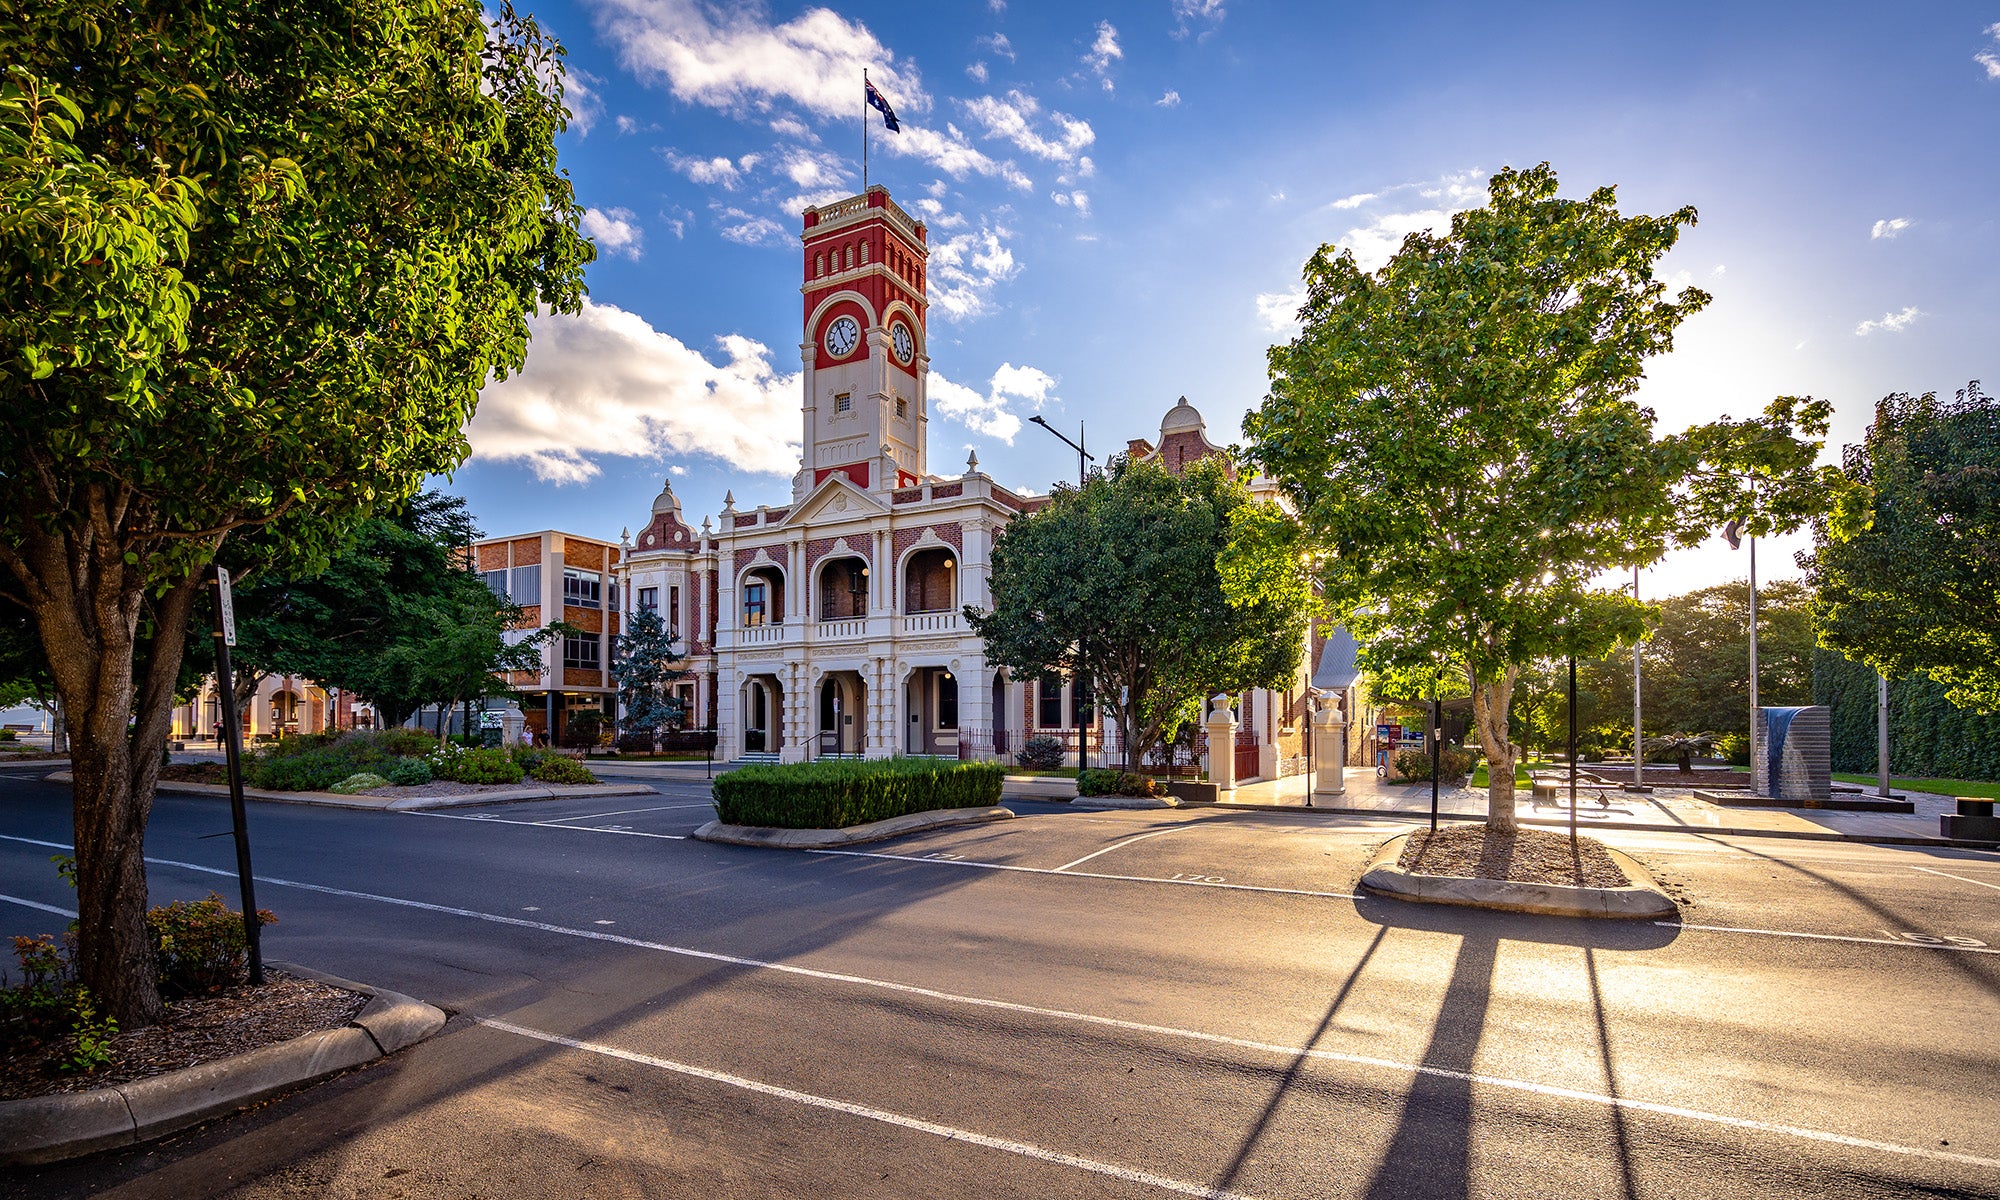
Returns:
point(864, 131)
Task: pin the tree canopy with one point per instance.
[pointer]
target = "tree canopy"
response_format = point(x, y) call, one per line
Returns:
point(1458, 434)
point(646, 665)
point(1118, 582)
point(258, 261)
point(1915, 590)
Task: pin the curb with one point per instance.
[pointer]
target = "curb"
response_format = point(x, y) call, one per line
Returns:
point(543, 791)
point(771, 838)
point(1804, 835)
point(46, 1129)
point(1641, 901)
point(1108, 802)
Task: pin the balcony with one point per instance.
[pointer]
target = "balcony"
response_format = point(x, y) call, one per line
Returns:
point(843, 628)
point(934, 623)
point(759, 635)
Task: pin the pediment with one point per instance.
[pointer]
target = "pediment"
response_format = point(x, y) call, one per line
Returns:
point(835, 499)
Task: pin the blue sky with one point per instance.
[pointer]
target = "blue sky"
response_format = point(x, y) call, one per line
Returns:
point(1120, 197)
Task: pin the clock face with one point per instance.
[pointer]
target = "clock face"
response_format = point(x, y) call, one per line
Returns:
point(906, 346)
point(842, 337)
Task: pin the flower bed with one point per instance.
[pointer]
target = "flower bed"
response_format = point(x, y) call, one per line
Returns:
point(838, 794)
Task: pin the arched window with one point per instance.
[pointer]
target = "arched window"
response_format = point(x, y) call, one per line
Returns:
point(929, 583)
point(819, 265)
point(864, 254)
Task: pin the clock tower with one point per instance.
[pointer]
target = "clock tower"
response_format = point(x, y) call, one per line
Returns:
point(865, 349)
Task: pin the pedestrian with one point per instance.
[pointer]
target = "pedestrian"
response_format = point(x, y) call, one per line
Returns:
point(218, 733)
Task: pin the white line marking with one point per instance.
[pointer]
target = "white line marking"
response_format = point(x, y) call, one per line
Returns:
point(1116, 845)
point(1960, 878)
point(670, 837)
point(988, 866)
point(61, 912)
point(1218, 1039)
point(1828, 937)
point(1024, 1149)
point(621, 812)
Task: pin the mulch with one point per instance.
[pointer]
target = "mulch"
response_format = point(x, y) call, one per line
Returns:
point(1525, 856)
point(193, 1032)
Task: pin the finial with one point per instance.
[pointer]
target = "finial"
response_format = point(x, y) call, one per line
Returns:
point(704, 527)
point(729, 501)
point(972, 463)
point(625, 536)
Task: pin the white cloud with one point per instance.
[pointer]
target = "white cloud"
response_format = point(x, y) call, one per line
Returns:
point(1375, 243)
point(627, 124)
point(580, 96)
point(949, 151)
point(999, 45)
point(1987, 58)
point(1280, 310)
point(1078, 200)
point(604, 382)
point(749, 229)
point(977, 71)
point(677, 219)
point(1189, 12)
point(733, 58)
point(616, 231)
point(965, 269)
point(1011, 119)
point(1889, 227)
point(1895, 322)
point(990, 413)
point(719, 169)
point(792, 127)
point(1355, 201)
point(1103, 52)
point(1171, 99)
point(813, 169)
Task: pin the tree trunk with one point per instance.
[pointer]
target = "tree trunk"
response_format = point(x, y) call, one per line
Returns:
point(1489, 710)
point(87, 601)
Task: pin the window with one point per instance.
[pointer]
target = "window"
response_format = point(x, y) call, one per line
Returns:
point(497, 580)
point(582, 588)
point(1080, 703)
point(673, 612)
point(649, 599)
point(844, 402)
point(902, 407)
point(754, 604)
point(582, 652)
point(611, 595)
point(819, 264)
point(864, 253)
point(1048, 714)
point(527, 585)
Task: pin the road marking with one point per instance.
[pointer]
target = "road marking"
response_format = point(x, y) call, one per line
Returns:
point(1960, 878)
point(61, 912)
point(1218, 1039)
point(992, 866)
point(670, 837)
point(949, 1133)
point(621, 812)
point(1117, 845)
point(1828, 937)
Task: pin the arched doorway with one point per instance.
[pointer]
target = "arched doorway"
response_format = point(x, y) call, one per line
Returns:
point(842, 585)
point(841, 729)
point(763, 715)
point(930, 705)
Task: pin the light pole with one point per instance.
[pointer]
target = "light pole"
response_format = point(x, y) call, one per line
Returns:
point(1082, 730)
point(1733, 534)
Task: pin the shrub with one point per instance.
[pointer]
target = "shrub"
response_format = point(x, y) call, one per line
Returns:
point(1101, 781)
point(299, 773)
point(479, 766)
point(408, 772)
point(1041, 752)
point(837, 794)
point(1453, 764)
point(635, 742)
point(555, 768)
point(8, 735)
point(316, 762)
point(360, 781)
point(200, 945)
point(583, 729)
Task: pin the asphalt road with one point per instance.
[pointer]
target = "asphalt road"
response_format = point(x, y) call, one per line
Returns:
point(1076, 1004)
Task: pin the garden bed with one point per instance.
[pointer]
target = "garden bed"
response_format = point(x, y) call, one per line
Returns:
point(839, 794)
point(1526, 856)
point(194, 1031)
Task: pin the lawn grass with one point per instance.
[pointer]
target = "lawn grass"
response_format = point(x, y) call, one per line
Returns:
point(1521, 768)
point(1942, 787)
point(1065, 772)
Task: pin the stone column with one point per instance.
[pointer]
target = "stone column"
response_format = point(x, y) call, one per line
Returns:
point(1221, 727)
point(1329, 735)
point(512, 722)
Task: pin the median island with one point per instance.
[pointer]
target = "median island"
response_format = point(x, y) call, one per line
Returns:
point(1527, 870)
point(837, 802)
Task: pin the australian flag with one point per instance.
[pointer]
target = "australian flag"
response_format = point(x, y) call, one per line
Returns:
point(876, 102)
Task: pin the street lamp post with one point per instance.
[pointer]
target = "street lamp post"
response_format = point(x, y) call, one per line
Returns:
point(1082, 730)
point(1733, 534)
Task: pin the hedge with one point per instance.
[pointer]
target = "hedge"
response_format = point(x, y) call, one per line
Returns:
point(1928, 737)
point(1106, 781)
point(839, 793)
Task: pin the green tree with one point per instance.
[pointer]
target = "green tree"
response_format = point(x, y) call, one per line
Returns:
point(646, 665)
point(1914, 590)
point(258, 261)
point(1458, 435)
point(1119, 582)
